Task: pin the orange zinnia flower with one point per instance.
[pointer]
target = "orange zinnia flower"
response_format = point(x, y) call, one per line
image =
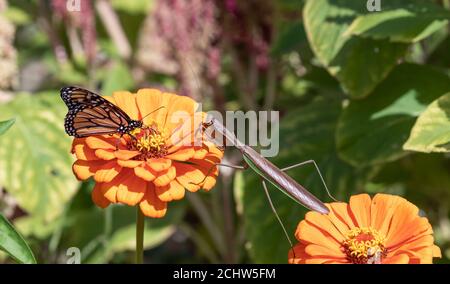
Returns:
point(386, 229)
point(155, 164)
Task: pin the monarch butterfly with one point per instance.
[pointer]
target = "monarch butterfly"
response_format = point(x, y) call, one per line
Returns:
point(90, 114)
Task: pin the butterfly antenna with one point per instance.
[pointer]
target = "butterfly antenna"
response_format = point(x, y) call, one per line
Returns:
point(152, 112)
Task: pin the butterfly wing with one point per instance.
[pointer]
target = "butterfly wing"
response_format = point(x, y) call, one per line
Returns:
point(75, 96)
point(90, 114)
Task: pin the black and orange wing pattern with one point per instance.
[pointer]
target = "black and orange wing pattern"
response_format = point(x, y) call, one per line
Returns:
point(90, 114)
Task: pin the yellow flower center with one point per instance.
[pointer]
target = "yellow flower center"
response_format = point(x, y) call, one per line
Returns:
point(149, 141)
point(364, 245)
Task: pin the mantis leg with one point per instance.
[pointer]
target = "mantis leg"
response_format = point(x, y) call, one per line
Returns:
point(274, 210)
point(244, 167)
point(273, 207)
point(318, 171)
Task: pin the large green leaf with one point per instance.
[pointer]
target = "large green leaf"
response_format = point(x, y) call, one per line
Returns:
point(431, 131)
point(309, 135)
point(358, 63)
point(374, 130)
point(5, 125)
point(13, 244)
point(409, 24)
point(35, 159)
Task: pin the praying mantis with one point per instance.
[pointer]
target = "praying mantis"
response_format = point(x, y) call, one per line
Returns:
point(269, 172)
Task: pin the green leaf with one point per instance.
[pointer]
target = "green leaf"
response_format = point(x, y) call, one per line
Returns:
point(36, 227)
point(421, 178)
point(13, 244)
point(410, 24)
point(17, 16)
point(373, 130)
point(303, 137)
point(289, 5)
point(69, 75)
point(440, 55)
point(118, 78)
point(290, 37)
point(133, 6)
point(431, 131)
point(358, 63)
point(35, 158)
point(5, 125)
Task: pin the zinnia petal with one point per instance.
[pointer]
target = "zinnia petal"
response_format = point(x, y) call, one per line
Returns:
point(387, 229)
point(313, 235)
point(404, 213)
point(323, 222)
point(131, 190)
point(125, 154)
point(170, 192)
point(99, 198)
point(82, 151)
point(341, 211)
point(145, 172)
point(200, 154)
point(151, 205)
point(127, 102)
point(148, 100)
point(338, 223)
point(109, 189)
point(129, 163)
point(180, 108)
point(86, 169)
point(159, 165)
point(107, 172)
point(96, 142)
point(165, 177)
point(316, 250)
point(397, 259)
point(182, 154)
point(297, 255)
point(436, 251)
point(105, 154)
point(410, 231)
point(382, 209)
point(360, 208)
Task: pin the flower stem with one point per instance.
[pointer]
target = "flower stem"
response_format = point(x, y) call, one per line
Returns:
point(140, 222)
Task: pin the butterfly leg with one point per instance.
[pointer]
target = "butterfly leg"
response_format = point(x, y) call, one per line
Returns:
point(133, 137)
point(118, 141)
